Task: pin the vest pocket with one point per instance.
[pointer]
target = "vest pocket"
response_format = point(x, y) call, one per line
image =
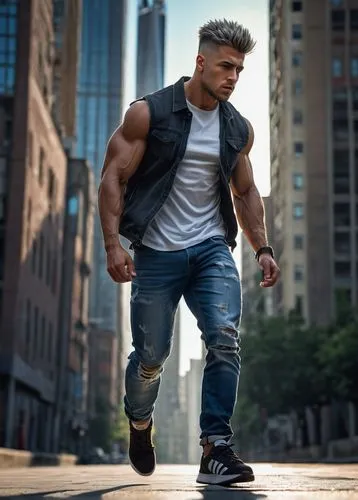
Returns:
point(162, 143)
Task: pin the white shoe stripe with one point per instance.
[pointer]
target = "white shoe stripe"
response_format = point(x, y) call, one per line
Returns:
point(210, 465)
point(219, 469)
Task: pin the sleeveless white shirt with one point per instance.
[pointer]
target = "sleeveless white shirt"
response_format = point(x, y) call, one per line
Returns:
point(191, 213)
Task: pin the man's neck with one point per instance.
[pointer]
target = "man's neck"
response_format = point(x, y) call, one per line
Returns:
point(197, 96)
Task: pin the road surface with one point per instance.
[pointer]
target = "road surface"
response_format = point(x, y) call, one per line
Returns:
point(177, 482)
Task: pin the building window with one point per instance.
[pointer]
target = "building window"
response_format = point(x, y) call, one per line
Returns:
point(28, 329)
point(342, 243)
point(338, 19)
point(54, 272)
point(298, 241)
point(51, 186)
point(36, 333)
point(34, 256)
point(340, 101)
point(73, 205)
point(298, 181)
point(299, 305)
point(337, 67)
point(30, 139)
point(298, 273)
point(297, 31)
point(297, 86)
point(48, 267)
point(353, 16)
point(298, 211)
point(43, 337)
point(354, 67)
point(41, 166)
point(296, 6)
point(341, 171)
point(41, 254)
point(342, 270)
point(28, 228)
point(297, 117)
point(50, 342)
point(342, 216)
point(297, 58)
point(340, 129)
point(298, 149)
point(8, 34)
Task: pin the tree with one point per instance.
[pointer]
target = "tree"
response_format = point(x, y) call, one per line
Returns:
point(120, 431)
point(338, 356)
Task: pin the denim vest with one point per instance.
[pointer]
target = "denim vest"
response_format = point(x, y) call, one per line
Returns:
point(150, 185)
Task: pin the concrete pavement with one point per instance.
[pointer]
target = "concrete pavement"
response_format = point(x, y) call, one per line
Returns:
point(177, 482)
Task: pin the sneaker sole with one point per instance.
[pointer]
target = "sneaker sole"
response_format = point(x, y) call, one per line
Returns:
point(141, 473)
point(224, 480)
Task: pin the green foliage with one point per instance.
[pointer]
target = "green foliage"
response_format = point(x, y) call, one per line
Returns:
point(287, 366)
point(338, 357)
point(120, 431)
point(100, 427)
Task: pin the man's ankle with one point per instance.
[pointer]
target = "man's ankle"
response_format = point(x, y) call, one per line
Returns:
point(141, 425)
point(207, 449)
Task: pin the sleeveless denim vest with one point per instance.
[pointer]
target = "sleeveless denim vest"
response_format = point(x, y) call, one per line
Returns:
point(149, 187)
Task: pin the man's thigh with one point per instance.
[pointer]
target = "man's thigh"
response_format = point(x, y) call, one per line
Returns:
point(214, 295)
point(156, 291)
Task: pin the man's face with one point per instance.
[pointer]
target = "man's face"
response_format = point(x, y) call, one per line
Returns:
point(220, 67)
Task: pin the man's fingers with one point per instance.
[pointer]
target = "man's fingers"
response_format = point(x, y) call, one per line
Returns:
point(130, 268)
point(118, 273)
point(115, 274)
point(275, 274)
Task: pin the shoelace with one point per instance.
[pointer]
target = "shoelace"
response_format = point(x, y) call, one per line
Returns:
point(225, 450)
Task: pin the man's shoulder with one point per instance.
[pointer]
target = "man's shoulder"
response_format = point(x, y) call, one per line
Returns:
point(234, 111)
point(239, 124)
point(160, 94)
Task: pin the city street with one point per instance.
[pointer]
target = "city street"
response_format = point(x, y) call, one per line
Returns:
point(171, 482)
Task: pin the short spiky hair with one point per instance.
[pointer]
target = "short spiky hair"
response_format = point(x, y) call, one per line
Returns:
point(224, 32)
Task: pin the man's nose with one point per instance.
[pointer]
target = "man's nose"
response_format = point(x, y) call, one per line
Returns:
point(234, 76)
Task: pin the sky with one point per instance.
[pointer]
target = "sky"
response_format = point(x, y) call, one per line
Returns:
point(251, 96)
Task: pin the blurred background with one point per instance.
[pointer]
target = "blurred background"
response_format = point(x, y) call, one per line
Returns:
point(68, 71)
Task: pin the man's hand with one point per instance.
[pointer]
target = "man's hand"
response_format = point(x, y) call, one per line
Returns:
point(120, 265)
point(270, 270)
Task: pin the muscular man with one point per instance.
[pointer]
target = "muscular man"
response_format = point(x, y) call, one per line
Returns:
point(171, 171)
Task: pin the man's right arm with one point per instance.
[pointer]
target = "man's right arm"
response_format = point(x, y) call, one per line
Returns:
point(123, 155)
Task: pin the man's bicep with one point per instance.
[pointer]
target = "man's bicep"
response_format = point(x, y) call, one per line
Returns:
point(127, 144)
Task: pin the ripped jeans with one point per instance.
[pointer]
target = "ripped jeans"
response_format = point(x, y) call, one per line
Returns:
point(207, 277)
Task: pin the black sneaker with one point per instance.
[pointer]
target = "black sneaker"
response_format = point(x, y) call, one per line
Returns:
point(223, 466)
point(141, 450)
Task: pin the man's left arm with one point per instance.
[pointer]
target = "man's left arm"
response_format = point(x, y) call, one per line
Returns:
point(250, 212)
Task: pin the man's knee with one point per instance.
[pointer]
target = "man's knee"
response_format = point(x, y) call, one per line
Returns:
point(224, 338)
point(149, 373)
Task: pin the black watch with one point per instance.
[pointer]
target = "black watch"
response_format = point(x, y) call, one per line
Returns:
point(264, 250)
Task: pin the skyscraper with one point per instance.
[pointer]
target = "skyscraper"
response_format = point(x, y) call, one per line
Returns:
point(150, 49)
point(32, 196)
point(314, 154)
point(99, 109)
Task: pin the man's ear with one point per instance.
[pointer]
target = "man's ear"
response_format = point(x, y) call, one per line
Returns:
point(200, 62)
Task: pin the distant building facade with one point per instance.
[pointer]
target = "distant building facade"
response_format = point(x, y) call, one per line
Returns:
point(150, 46)
point(32, 202)
point(99, 111)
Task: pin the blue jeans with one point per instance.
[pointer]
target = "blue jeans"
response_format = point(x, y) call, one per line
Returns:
point(207, 277)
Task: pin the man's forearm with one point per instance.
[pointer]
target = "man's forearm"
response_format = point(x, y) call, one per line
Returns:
point(110, 204)
point(250, 213)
